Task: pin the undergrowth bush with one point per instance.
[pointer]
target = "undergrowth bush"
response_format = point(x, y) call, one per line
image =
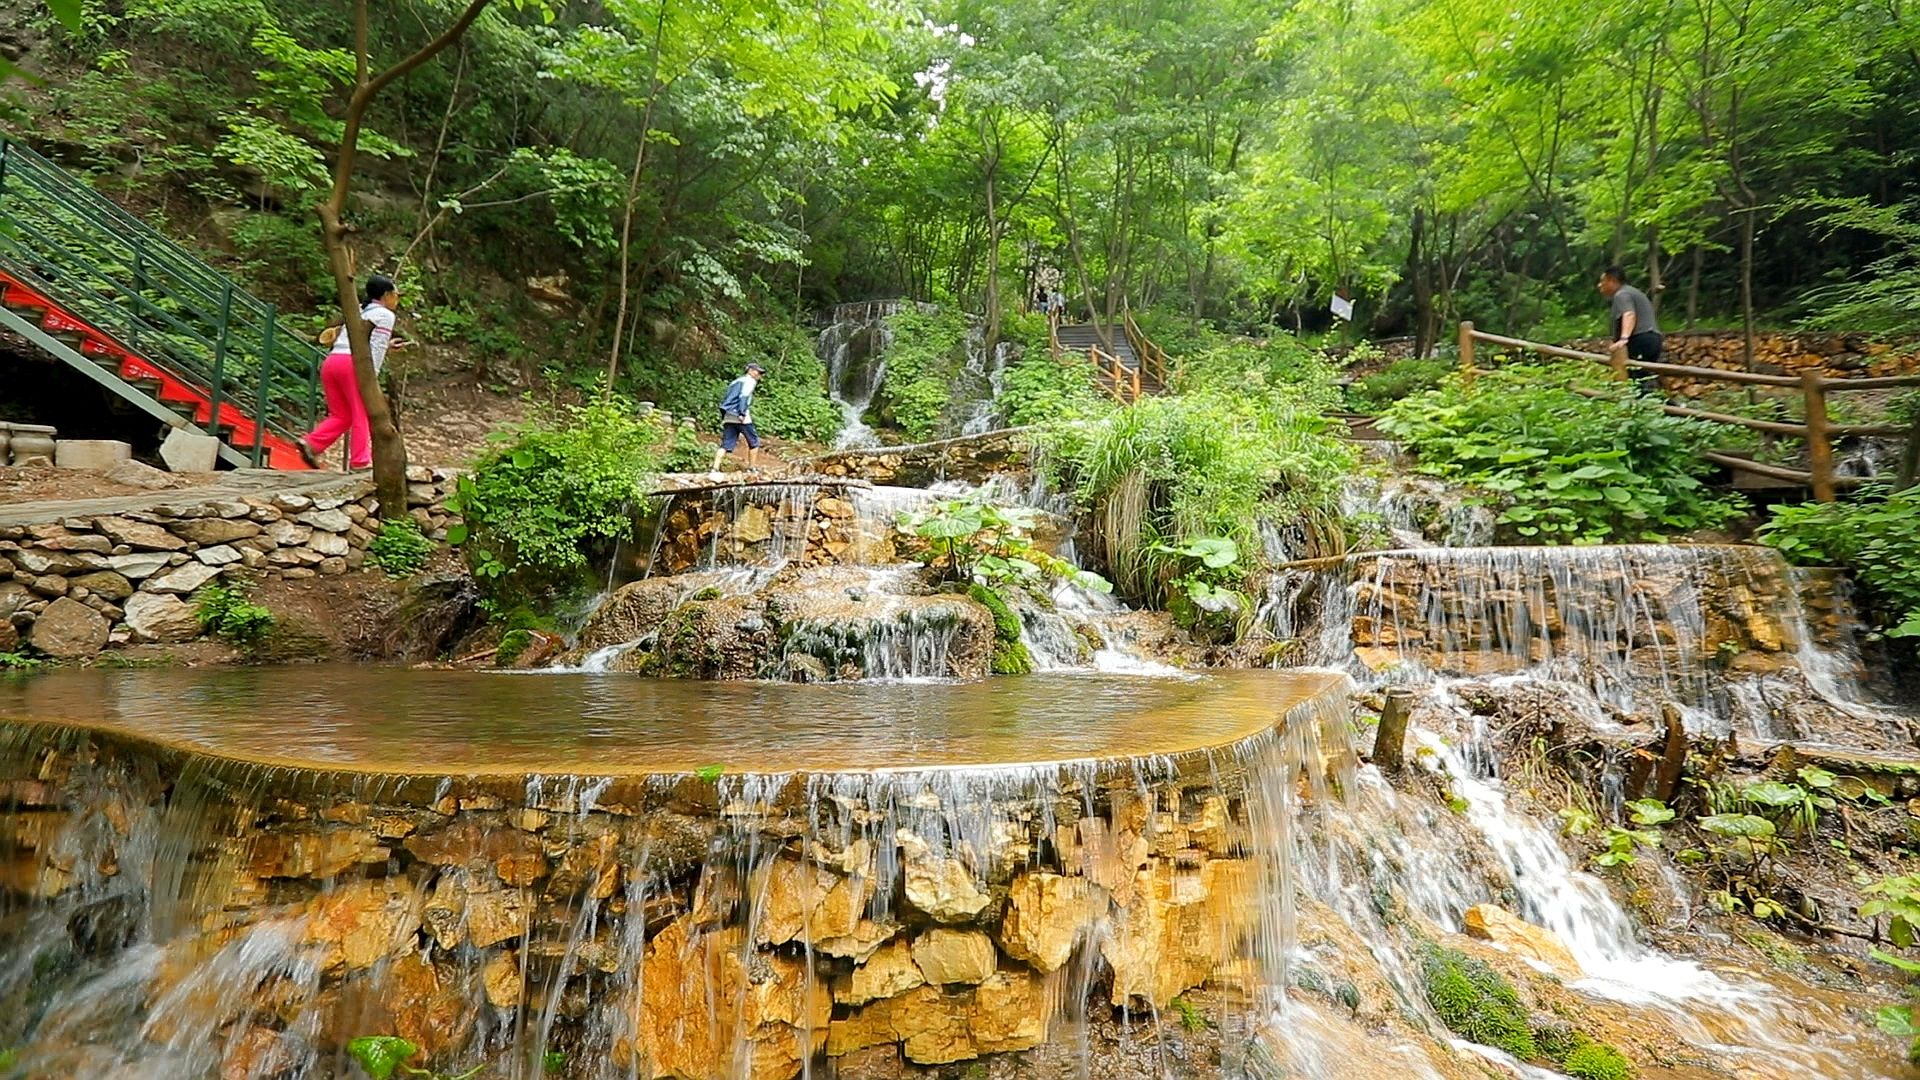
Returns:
point(690, 378)
point(925, 353)
point(1279, 369)
point(1569, 468)
point(1404, 377)
point(550, 493)
point(1039, 388)
point(1165, 472)
point(1875, 538)
point(400, 548)
point(225, 612)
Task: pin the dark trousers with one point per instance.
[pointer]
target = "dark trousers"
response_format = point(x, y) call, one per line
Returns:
point(1645, 346)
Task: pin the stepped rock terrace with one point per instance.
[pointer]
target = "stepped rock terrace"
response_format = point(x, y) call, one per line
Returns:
point(234, 874)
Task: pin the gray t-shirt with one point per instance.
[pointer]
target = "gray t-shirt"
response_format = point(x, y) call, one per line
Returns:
point(1632, 299)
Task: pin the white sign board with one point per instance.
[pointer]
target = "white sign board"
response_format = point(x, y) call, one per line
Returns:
point(1342, 308)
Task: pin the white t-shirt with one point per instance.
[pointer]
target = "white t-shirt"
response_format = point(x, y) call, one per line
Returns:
point(381, 316)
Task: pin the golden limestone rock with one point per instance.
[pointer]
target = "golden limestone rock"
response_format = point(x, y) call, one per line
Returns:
point(701, 996)
point(801, 900)
point(461, 910)
point(1006, 1012)
point(942, 887)
point(1047, 915)
point(889, 972)
point(502, 980)
point(1491, 922)
point(430, 1005)
point(859, 945)
point(947, 957)
point(363, 922)
point(1179, 926)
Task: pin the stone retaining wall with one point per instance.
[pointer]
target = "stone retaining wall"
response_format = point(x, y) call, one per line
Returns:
point(969, 458)
point(82, 583)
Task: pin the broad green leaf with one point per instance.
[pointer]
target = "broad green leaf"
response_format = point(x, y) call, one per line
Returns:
point(381, 1055)
point(1744, 826)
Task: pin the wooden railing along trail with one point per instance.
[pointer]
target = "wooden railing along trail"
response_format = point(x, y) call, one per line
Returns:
point(1817, 430)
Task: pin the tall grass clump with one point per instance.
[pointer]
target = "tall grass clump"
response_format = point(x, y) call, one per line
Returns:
point(1157, 476)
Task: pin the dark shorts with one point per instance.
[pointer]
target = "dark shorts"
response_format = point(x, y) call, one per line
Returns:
point(730, 436)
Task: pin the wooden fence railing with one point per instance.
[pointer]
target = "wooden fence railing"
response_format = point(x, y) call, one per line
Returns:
point(1817, 430)
point(1153, 359)
point(1120, 380)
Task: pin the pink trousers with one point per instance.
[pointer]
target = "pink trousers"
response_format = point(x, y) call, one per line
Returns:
point(346, 413)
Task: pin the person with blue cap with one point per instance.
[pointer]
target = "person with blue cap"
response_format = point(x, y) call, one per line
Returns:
point(736, 418)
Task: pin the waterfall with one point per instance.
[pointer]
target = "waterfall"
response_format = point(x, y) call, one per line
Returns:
point(1635, 626)
point(764, 525)
point(854, 345)
point(988, 370)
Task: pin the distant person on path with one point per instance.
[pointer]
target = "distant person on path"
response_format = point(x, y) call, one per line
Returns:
point(736, 418)
point(1634, 327)
point(1057, 306)
point(346, 411)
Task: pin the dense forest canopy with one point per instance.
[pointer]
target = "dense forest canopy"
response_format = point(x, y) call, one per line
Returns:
point(680, 161)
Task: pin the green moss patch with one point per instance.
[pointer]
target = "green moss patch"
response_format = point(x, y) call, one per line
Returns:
point(1596, 1061)
point(1010, 655)
point(1476, 1002)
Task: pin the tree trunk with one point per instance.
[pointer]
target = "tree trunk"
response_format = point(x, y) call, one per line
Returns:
point(1423, 329)
point(1693, 286)
point(1746, 282)
point(389, 450)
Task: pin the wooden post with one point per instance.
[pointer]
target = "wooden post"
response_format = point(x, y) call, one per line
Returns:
point(1390, 739)
point(1673, 755)
point(1819, 445)
point(1466, 352)
point(1617, 356)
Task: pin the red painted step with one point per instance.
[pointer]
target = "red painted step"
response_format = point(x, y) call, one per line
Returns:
point(163, 385)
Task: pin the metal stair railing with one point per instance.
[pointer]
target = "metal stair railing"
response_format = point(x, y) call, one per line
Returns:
point(157, 300)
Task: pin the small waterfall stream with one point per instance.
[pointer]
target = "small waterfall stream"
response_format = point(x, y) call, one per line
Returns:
point(854, 345)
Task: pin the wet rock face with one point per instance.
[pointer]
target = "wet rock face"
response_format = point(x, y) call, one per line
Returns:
point(969, 458)
point(749, 939)
point(817, 625)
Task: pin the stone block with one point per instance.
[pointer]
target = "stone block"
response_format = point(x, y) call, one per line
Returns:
point(160, 618)
point(96, 454)
point(189, 451)
point(182, 580)
point(139, 564)
point(218, 555)
point(141, 475)
point(69, 630)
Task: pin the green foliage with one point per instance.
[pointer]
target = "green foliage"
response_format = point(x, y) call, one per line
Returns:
point(1596, 1061)
point(400, 548)
point(1568, 468)
point(1476, 1002)
point(710, 773)
point(1191, 1018)
point(1010, 654)
point(968, 540)
point(1205, 591)
point(1402, 378)
point(19, 663)
point(1898, 898)
point(689, 380)
point(380, 1055)
point(924, 356)
point(1279, 369)
point(550, 492)
point(1875, 538)
point(1167, 471)
point(225, 612)
point(1038, 388)
point(276, 250)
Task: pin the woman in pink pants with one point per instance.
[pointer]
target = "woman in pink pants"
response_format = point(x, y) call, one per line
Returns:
point(346, 412)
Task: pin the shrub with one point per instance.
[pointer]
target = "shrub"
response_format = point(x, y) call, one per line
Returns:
point(1570, 468)
point(552, 490)
point(225, 612)
point(690, 378)
point(1411, 375)
point(1877, 540)
point(1280, 370)
point(1038, 387)
point(1476, 1002)
point(923, 357)
point(1168, 471)
point(19, 662)
point(971, 541)
point(400, 548)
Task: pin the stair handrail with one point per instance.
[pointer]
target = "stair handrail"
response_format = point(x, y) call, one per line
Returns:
point(1817, 430)
point(177, 311)
point(1146, 349)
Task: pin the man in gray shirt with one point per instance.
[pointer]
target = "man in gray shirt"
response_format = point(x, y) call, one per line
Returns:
point(1634, 327)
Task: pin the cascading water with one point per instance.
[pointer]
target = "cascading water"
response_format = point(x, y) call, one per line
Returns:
point(987, 369)
point(941, 873)
point(854, 345)
point(1635, 626)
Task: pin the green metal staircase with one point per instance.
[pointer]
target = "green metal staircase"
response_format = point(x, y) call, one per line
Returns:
point(105, 293)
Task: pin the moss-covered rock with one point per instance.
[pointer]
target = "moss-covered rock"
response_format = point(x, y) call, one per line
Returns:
point(1010, 654)
point(1477, 1002)
point(1596, 1061)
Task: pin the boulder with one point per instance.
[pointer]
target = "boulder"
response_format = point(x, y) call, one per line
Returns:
point(890, 971)
point(955, 956)
point(1047, 915)
point(212, 530)
point(159, 617)
point(182, 580)
point(139, 565)
point(189, 451)
point(105, 583)
point(139, 474)
point(363, 922)
point(69, 630)
point(941, 887)
point(138, 535)
point(801, 900)
point(286, 533)
point(97, 454)
point(334, 520)
point(1491, 922)
point(13, 597)
point(218, 555)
